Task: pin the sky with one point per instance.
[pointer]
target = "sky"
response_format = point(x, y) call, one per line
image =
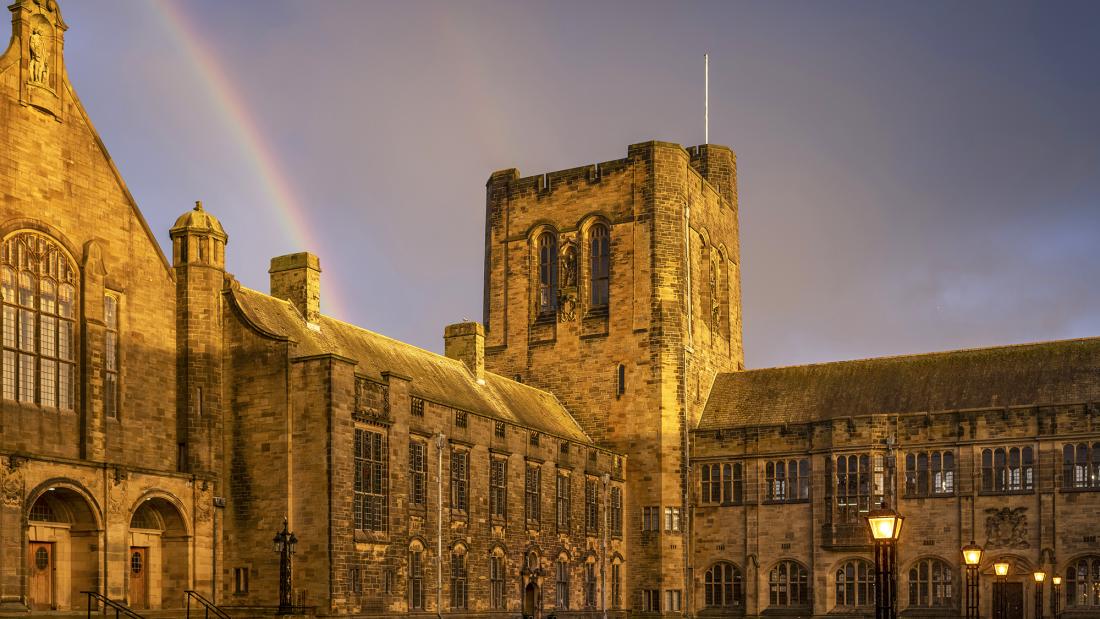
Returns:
point(913, 176)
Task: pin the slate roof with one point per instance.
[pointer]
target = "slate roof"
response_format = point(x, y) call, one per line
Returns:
point(1066, 371)
point(434, 377)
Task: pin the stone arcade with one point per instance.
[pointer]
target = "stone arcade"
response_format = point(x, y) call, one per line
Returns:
point(595, 443)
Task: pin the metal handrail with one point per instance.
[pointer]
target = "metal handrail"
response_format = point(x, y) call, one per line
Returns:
point(207, 606)
point(120, 610)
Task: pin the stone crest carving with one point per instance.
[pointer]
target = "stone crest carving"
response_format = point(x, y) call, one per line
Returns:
point(1006, 527)
point(40, 65)
point(11, 488)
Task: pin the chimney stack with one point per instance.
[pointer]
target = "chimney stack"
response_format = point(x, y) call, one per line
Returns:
point(465, 341)
point(297, 278)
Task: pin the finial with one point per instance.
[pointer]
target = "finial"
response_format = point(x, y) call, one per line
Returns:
point(198, 205)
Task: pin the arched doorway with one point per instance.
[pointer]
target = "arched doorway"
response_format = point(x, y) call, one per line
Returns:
point(530, 599)
point(157, 558)
point(62, 551)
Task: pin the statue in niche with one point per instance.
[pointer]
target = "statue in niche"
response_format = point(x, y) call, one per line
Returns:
point(1006, 528)
point(40, 67)
point(569, 267)
point(715, 302)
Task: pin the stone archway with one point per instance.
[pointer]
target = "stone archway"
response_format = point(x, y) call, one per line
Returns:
point(158, 555)
point(62, 549)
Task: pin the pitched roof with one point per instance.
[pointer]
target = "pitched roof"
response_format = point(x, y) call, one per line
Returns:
point(1040, 373)
point(434, 377)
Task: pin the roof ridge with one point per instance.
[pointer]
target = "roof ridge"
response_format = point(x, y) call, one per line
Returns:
point(917, 355)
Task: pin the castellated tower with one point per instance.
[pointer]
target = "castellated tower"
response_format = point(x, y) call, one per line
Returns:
point(198, 256)
point(616, 286)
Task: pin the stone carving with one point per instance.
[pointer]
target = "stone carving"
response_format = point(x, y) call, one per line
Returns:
point(11, 488)
point(569, 266)
point(40, 66)
point(567, 307)
point(116, 502)
point(204, 511)
point(1006, 528)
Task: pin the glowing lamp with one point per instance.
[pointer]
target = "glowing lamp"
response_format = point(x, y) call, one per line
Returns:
point(885, 524)
point(1057, 580)
point(972, 554)
point(1001, 568)
point(1040, 576)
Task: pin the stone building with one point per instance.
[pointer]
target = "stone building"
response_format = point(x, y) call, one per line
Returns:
point(595, 443)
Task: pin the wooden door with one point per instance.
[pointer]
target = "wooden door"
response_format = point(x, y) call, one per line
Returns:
point(1012, 595)
point(139, 577)
point(41, 575)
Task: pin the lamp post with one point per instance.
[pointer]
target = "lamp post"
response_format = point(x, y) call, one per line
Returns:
point(1055, 595)
point(885, 525)
point(283, 544)
point(1039, 578)
point(972, 557)
point(1001, 569)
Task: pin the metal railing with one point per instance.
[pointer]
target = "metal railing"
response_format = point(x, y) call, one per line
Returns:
point(120, 609)
point(207, 605)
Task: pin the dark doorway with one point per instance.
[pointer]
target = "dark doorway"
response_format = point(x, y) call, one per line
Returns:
point(530, 599)
point(1013, 595)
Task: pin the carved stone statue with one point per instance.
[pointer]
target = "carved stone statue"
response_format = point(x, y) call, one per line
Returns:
point(40, 67)
point(569, 267)
point(1006, 528)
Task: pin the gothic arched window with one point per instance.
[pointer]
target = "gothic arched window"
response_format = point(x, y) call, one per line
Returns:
point(855, 582)
point(1083, 583)
point(548, 272)
point(39, 321)
point(459, 578)
point(789, 584)
point(931, 584)
point(561, 569)
point(599, 253)
point(722, 586)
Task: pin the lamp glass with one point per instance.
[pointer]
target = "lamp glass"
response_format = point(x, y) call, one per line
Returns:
point(1001, 569)
point(972, 554)
point(1057, 580)
point(1040, 576)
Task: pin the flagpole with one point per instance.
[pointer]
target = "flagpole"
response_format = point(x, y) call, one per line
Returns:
point(706, 98)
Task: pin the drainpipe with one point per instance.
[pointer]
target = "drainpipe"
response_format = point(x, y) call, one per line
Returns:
point(440, 442)
point(606, 478)
point(685, 455)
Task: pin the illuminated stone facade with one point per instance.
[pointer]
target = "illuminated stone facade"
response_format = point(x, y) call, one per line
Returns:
point(596, 442)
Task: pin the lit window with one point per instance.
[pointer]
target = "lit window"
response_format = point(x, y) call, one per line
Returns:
point(1083, 583)
point(1081, 466)
point(787, 481)
point(930, 474)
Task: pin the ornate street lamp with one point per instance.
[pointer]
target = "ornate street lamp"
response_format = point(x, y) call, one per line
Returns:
point(885, 525)
point(1056, 595)
point(972, 557)
point(1000, 568)
point(284, 544)
point(1039, 578)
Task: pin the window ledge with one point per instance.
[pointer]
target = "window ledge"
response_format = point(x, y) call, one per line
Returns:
point(781, 501)
point(1006, 492)
point(1075, 490)
point(934, 496)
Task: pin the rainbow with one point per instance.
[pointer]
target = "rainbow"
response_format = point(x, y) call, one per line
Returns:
point(237, 118)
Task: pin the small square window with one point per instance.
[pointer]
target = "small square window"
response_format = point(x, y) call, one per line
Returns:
point(535, 439)
point(564, 447)
point(460, 419)
point(498, 429)
point(417, 407)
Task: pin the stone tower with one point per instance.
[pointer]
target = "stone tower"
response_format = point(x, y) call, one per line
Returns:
point(616, 286)
point(198, 256)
